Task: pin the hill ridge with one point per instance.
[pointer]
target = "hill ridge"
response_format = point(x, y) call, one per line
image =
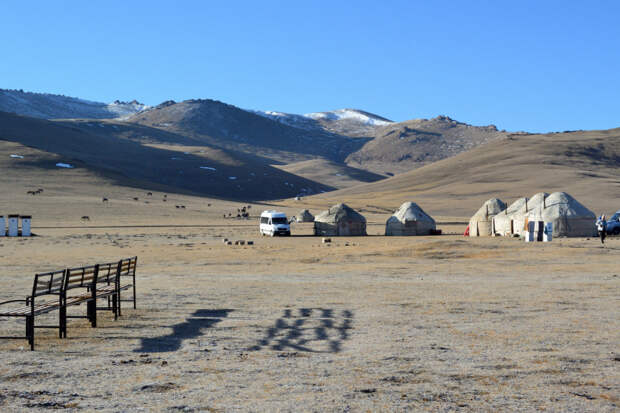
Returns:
point(56, 106)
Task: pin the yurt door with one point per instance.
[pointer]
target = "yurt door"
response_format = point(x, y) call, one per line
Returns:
point(344, 229)
point(411, 227)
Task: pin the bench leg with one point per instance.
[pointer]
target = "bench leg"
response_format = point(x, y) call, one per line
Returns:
point(91, 309)
point(30, 331)
point(62, 322)
point(134, 293)
point(115, 307)
point(119, 303)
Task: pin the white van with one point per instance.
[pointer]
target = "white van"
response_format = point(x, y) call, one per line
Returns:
point(274, 223)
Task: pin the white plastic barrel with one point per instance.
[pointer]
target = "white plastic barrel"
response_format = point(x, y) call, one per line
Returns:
point(2, 226)
point(13, 225)
point(548, 235)
point(535, 231)
point(26, 225)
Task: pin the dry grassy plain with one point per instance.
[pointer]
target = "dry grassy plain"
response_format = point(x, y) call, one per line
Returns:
point(290, 324)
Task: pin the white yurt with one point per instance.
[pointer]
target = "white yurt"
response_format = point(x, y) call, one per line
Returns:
point(512, 220)
point(340, 220)
point(481, 224)
point(410, 219)
point(508, 221)
point(568, 216)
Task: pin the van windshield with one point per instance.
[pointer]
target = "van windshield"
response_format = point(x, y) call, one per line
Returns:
point(278, 221)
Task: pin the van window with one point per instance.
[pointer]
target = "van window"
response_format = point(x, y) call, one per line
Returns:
point(279, 221)
point(264, 220)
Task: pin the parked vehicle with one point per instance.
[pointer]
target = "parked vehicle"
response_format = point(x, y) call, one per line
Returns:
point(613, 224)
point(274, 223)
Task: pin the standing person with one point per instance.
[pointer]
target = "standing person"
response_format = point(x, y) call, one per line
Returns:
point(601, 225)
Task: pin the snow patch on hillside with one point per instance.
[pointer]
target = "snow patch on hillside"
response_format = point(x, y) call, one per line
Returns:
point(48, 106)
point(297, 121)
point(352, 114)
point(310, 121)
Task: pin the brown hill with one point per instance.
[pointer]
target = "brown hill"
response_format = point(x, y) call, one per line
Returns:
point(50, 106)
point(357, 138)
point(203, 170)
point(227, 126)
point(360, 139)
point(403, 146)
point(586, 164)
point(331, 173)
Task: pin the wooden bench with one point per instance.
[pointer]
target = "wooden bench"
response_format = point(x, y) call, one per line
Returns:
point(101, 281)
point(73, 287)
point(41, 301)
point(87, 285)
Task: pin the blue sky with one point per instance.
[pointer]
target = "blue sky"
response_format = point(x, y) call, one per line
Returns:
point(528, 65)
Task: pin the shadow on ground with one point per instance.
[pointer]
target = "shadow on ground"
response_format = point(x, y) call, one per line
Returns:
point(316, 330)
point(191, 328)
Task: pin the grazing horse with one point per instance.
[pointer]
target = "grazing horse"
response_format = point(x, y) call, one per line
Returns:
point(149, 194)
point(85, 218)
point(135, 198)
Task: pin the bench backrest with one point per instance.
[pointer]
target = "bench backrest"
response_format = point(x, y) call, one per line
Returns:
point(108, 273)
point(58, 282)
point(48, 283)
point(81, 277)
point(128, 266)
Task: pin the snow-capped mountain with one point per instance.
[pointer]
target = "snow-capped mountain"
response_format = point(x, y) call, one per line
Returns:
point(291, 137)
point(49, 106)
point(352, 137)
point(354, 122)
point(350, 114)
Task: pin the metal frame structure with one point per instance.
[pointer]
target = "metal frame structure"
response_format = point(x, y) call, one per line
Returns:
point(73, 287)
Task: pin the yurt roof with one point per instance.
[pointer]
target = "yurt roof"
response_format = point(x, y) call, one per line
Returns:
point(562, 204)
point(491, 207)
point(536, 200)
point(516, 206)
point(338, 213)
point(410, 211)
